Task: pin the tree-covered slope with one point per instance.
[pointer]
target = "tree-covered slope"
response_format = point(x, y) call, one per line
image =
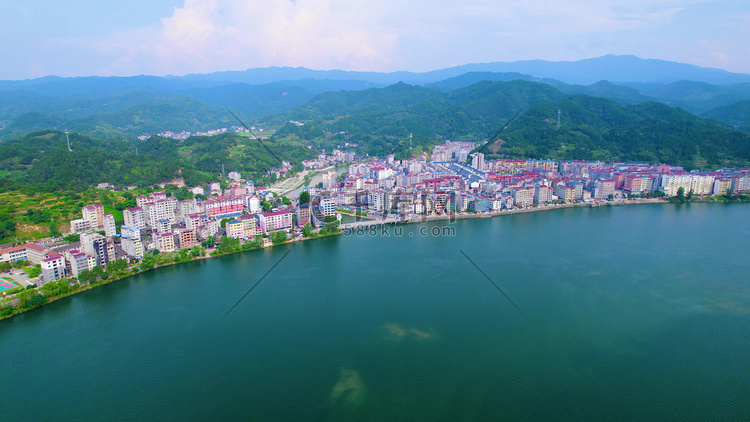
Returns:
point(735, 114)
point(42, 160)
point(381, 121)
point(593, 128)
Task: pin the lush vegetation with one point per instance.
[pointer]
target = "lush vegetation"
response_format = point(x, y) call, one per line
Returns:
point(735, 114)
point(381, 120)
point(42, 160)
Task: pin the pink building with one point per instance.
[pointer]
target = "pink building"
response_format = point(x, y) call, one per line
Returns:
point(223, 205)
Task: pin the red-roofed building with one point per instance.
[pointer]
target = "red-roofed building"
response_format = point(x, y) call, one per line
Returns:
point(16, 253)
point(275, 221)
point(221, 205)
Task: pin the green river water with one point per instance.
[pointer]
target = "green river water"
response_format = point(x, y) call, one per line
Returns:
point(626, 313)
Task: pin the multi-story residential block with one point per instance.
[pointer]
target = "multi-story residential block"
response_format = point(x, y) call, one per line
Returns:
point(671, 183)
point(132, 246)
point(209, 228)
point(162, 226)
point(80, 225)
point(604, 188)
point(110, 229)
point(234, 229)
point(637, 183)
point(222, 205)
point(577, 189)
point(477, 161)
point(130, 231)
point(251, 203)
point(134, 217)
point(741, 183)
point(721, 186)
point(702, 184)
point(249, 225)
point(523, 195)
point(130, 240)
point(479, 204)
point(53, 269)
point(327, 206)
point(188, 207)
point(303, 215)
point(156, 212)
point(275, 221)
point(542, 194)
point(192, 222)
point(96, 245)
point(187, 239)
point(76, 262)
point(164, 242)
point(94, 214)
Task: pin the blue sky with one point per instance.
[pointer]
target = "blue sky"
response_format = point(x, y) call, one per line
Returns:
point(160, 37)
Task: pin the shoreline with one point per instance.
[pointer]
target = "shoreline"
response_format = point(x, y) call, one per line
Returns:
point(364, 225)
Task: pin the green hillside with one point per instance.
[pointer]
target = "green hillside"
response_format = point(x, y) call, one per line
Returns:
point(736, 115)
point(381, 120)
point(43, 161)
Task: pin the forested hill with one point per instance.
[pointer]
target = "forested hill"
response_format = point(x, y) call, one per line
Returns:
point(381, 121)
point(735, 114)
point(41, 161)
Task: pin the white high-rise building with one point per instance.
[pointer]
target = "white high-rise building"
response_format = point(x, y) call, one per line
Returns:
point(477, 161)
point(110, 229)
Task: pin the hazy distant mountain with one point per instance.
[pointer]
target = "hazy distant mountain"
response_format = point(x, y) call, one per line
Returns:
point(470, 78)
point(606, 89)
point(582, 72)
point(603, 89)
point(611, 68)
point(695, 97)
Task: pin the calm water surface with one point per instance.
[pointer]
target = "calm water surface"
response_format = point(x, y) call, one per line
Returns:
point(629, 313)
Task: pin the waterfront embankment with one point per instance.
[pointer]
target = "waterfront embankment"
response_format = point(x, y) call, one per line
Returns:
point(344, 229)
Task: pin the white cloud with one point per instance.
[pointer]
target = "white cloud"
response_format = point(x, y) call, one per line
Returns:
point(211, 35)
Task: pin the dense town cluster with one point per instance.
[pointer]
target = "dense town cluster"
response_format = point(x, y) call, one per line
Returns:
point(449, 183)
point(452, 181)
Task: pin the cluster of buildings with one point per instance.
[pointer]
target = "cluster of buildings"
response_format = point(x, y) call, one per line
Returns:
point(158, 222)
point(445, 183)
point(64, 260)
point(442, 184)
point(185, 134)
point(337, 157)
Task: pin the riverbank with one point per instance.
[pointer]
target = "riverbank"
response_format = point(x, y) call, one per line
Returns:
point(346, 228)
point(416, 218)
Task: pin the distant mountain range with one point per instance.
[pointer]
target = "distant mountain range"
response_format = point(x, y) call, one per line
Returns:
point(581, 72)
point(125, 107)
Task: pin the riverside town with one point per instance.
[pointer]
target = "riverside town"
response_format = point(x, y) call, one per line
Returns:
point(162, 229)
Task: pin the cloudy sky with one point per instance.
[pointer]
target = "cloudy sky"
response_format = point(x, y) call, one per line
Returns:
point(160, 37)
